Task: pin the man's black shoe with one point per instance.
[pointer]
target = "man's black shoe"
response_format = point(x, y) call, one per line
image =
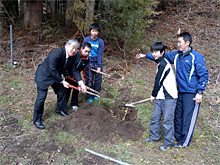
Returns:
point(61, 113)
point(39, 125)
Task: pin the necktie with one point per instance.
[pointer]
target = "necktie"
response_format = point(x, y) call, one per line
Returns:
point(65, 63)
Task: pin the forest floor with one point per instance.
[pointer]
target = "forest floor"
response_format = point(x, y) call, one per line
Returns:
point(99, 126)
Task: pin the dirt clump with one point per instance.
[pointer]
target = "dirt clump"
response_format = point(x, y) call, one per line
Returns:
point(115, 76)
point(105, 94)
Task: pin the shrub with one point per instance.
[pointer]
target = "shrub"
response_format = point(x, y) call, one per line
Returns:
point(123, 23)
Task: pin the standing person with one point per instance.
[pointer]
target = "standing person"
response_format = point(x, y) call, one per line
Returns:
point(95, 58)
point(81, 64)
point(49, 74)
point(165, 95)
point(192, 77)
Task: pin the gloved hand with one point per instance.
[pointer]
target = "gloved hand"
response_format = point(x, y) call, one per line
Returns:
point(82, 86)
point(65, 84)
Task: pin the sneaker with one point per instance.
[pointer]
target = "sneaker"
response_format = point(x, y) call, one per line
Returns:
point(177, 145)
point(164, 147)
point(149, 140)
point(175, 140)
point(96, 98)
point(90, 100)
point(75, 108)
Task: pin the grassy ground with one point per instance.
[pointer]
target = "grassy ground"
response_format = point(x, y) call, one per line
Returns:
point(17, 97)
point(21, 143)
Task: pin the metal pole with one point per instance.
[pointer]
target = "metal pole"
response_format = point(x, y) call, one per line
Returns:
point(11, 44)
point(107, 157)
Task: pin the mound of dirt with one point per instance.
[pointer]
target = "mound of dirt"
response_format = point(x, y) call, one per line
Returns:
point(97, 124)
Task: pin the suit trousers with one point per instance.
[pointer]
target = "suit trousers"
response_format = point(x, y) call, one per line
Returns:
point(59, 90)
point(75, 93)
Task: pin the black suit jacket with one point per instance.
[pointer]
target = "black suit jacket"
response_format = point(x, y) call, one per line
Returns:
point(50, 70)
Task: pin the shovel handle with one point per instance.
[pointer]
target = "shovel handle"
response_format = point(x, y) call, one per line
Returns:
point(141, 101)
point(100, 72)
point(92, 90)
point(78, 88)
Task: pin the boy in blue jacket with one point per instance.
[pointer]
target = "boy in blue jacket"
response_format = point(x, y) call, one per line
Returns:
point(165, 95)
point(95, 58)
point(192, 77)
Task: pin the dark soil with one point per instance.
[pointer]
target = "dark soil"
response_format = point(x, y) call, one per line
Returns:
point(99, 124)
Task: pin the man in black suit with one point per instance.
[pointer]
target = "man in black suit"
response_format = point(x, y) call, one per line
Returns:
point(49, 74)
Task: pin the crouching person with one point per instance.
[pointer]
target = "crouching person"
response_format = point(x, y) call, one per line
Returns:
point(49, 74)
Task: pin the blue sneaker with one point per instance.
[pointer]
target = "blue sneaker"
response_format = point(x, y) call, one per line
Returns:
point(90, 100)
point(96, 98)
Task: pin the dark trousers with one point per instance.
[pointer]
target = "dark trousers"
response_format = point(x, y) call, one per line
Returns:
point(185, 117)
point(75, 93)
point(60, 91)
point(95, 79)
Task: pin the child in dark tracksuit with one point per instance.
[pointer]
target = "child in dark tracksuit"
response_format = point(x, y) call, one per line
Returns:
point(165, 95)
point(81, 64)
point(95, 58)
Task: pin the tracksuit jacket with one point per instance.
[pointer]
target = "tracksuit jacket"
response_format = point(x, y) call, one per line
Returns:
point(82, 64)
point(165, 84)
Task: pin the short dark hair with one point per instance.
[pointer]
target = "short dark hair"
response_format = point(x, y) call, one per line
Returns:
point(88, 45)
point(186, 37)
point(158, 46)
point(94, 26)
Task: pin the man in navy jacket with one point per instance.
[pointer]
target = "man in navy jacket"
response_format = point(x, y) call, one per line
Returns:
point(192, 77)
point(49, 74)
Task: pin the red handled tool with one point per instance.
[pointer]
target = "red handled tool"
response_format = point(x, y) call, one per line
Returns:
point(69, 78)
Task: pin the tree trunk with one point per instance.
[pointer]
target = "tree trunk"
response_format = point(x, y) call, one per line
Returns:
point(36, 14)
point(53, 8)
point(26, 11)
point(69, 3)
point(90, 11)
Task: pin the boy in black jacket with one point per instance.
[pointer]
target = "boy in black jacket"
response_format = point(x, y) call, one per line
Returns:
point(81, 64)
point(165, 96)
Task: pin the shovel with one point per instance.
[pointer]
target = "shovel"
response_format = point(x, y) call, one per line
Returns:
point(101, 73)
point(137, 102)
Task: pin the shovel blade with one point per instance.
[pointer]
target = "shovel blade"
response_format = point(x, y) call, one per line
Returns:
point(129, 105)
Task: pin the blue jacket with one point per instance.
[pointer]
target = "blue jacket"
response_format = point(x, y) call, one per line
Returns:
point(97, 50)
point(191, 72)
